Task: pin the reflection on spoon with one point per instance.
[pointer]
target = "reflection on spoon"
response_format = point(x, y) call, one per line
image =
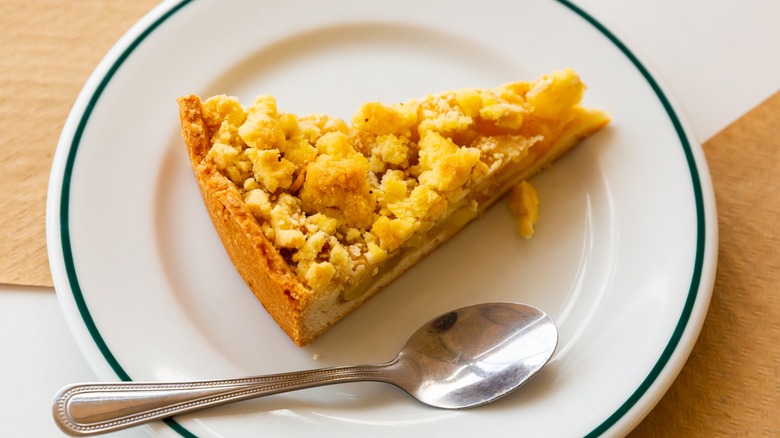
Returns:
point(464, 358)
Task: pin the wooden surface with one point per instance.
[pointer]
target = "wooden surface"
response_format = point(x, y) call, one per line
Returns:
point(731, 383)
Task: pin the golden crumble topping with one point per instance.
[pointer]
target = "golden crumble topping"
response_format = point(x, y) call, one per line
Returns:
point(338, 200)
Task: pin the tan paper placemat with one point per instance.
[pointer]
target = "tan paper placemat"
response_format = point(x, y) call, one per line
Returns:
point(729, 387)
point(48, 48)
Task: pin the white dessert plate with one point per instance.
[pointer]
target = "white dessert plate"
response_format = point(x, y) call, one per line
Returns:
point(623, 257)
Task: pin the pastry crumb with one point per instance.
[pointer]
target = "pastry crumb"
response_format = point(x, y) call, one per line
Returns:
point(524, 203)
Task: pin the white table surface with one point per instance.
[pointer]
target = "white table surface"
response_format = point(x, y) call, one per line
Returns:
point(718, 59)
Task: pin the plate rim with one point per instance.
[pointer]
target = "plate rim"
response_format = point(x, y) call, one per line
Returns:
point(57, 214)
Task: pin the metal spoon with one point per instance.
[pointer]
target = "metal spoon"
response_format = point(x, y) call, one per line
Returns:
point(464, 358)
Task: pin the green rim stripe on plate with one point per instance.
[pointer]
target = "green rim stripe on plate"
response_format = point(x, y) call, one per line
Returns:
point(700, 235)
point(70, 268)
point(604, 426)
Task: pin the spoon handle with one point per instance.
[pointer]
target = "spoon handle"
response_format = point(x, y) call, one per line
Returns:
point(93, 408)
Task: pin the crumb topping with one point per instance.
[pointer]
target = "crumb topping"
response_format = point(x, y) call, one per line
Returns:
point(339, 199)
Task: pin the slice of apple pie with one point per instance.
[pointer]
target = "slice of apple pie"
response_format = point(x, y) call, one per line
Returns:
point(318, 215)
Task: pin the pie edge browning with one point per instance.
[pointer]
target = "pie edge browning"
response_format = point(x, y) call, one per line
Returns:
point(258, 262)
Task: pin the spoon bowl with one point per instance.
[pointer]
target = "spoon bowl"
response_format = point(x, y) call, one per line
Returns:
point(464, 358)
point(476, 354)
